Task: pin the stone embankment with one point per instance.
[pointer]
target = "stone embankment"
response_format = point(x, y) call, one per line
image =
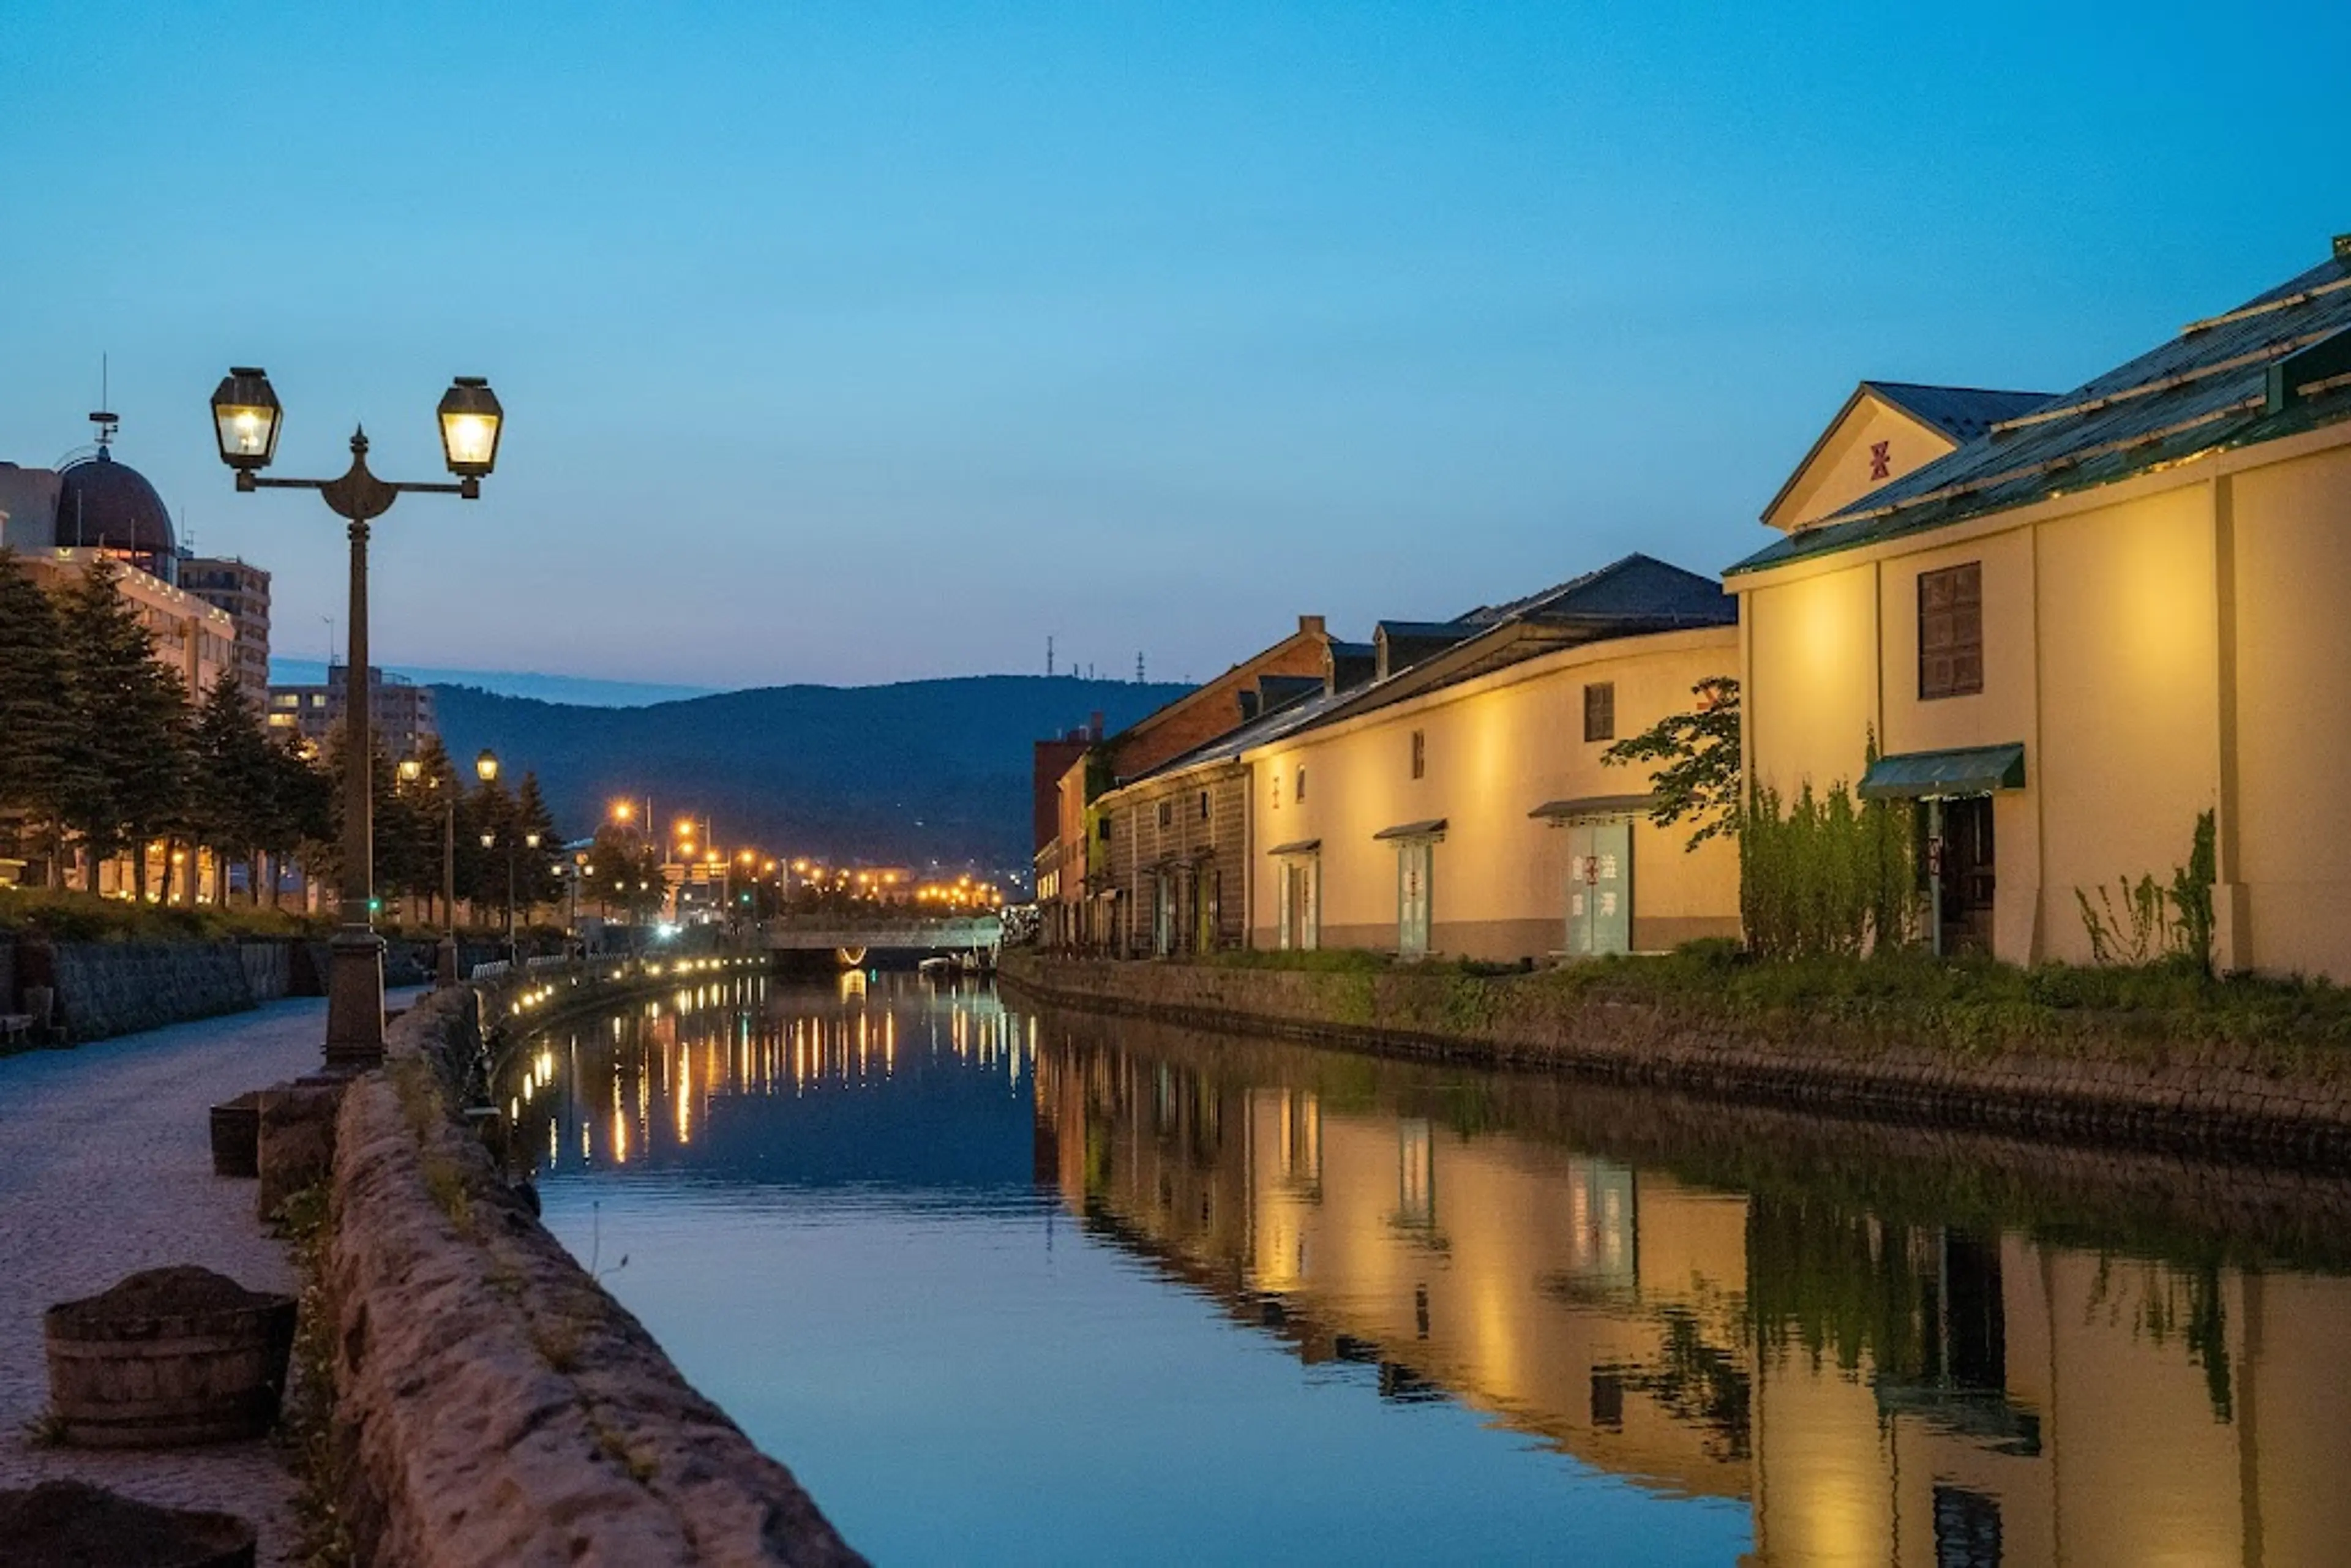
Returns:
point(79, 991)
point(2205, 1098)
point(493, 1405)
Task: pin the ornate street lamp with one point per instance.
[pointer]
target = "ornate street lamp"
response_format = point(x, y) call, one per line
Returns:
point(486, 766)
point(246, 417)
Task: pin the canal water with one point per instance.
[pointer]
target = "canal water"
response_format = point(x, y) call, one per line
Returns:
point(1003, 1286)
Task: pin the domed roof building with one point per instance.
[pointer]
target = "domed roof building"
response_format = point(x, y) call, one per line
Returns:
point(109, 506)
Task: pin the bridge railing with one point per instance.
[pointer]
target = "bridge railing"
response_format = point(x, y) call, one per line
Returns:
point(941, 935)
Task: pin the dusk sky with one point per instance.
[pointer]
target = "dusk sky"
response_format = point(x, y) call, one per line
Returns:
point(859, 342)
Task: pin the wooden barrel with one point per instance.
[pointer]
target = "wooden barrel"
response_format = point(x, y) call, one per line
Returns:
point(169, 1358)
point(236, 1136)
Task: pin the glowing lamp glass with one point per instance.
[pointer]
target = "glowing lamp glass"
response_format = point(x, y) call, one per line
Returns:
point(245, 418)
point(471, 420)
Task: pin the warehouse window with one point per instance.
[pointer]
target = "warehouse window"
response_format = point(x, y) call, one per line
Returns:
point(1599, 711)
point(1950, 631)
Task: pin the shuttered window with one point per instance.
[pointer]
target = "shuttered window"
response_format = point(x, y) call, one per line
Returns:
point(1599, 711)
point(1950, 631)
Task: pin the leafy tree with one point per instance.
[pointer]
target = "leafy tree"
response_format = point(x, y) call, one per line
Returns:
point(129, 717)
point(1696, 760)
point(626, 872)
point(37, 732)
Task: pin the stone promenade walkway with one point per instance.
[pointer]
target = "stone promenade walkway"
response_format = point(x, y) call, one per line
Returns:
point(106, 1168)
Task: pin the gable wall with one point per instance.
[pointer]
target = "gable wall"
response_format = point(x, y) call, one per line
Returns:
point(1840, 473)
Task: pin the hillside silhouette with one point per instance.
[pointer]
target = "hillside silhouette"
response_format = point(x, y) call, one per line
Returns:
point(914, 772)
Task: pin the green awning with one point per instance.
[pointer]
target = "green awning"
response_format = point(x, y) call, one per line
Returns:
point(1296, 847)
point(1594, 806)
point(1428, 828)
point(1931, 774)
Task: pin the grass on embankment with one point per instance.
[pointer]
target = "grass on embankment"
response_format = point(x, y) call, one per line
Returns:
point(1964, 1002)
point(73, 917)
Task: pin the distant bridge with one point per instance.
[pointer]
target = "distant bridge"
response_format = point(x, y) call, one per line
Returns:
point(976, 934)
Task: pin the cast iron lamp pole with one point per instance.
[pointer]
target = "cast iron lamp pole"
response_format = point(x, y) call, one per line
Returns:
point(246, 420)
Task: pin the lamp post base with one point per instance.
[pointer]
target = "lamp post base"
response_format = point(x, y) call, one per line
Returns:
point(355, 1000)
point(444, 962)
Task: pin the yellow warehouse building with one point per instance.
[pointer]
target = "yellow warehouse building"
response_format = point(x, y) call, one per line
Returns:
point(2076, 623)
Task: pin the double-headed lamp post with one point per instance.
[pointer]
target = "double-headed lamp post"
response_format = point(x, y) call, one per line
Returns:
point(246, 420)
point(445, 965)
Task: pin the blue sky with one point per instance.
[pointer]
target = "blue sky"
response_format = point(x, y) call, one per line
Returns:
point(864, 341)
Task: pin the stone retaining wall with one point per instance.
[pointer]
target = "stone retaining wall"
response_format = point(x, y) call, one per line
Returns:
point(494, 1403)
point(118, 987)
point(268, 969)
point(2209, 1098)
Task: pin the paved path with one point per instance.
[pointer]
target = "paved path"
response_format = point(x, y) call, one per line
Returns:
point(106, 1168)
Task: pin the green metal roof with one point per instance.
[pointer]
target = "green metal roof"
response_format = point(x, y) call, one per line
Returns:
point(1928, 775)
point(2273, 367)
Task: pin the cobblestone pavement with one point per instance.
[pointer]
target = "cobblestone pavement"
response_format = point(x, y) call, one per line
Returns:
point(106, 1168)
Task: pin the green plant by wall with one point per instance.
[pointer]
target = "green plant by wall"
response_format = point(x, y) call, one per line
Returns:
point(1825, 874)
point(2151, 921)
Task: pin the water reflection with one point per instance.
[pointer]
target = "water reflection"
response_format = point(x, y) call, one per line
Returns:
point(1880, 1346)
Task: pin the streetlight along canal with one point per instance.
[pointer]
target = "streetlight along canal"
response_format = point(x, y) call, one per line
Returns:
point(1049, 1289)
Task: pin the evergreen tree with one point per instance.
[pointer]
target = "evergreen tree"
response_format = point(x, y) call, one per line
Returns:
point(298, 823)
point(482, 869)
point(229, 799)
point(430, 797)
point(128, 720)
point(537, 882)
point(36, 736)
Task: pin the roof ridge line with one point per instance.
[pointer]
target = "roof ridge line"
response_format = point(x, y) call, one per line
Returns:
point(2300, 297)
point(2165, 384)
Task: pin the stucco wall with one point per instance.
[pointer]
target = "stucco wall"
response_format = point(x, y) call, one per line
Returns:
point(2129, 742)
point(1496, 748)
point(1809, 693)
point(2292, 526)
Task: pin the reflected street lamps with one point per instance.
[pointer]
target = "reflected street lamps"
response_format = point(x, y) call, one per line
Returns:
point(246, 420)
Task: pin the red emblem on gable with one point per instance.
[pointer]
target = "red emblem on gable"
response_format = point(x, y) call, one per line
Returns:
point(1881, 462)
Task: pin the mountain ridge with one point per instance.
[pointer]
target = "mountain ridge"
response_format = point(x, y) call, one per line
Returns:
point(917, 772)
